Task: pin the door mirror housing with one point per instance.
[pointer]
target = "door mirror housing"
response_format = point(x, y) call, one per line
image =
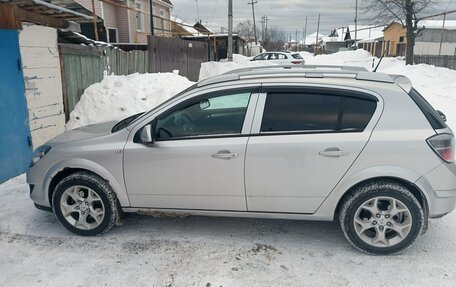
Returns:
point(442, 115)
point(146, 135)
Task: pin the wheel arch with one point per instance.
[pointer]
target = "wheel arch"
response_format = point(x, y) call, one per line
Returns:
point(415, 190)
point(67, 167)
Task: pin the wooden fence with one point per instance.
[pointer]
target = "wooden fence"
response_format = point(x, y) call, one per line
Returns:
point(83, 66)
point(169, 54)
point(439, 61)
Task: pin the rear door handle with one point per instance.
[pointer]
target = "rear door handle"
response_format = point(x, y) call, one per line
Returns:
point(333, 152)
point(225, 154)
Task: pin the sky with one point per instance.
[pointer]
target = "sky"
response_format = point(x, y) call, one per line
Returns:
point(287, 15)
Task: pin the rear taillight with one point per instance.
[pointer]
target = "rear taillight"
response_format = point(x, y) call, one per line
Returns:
point(443, 145)
point(296, 62)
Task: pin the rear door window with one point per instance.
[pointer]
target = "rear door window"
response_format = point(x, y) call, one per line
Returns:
point(307, 112)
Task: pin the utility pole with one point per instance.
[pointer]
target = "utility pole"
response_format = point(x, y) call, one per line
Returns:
point(151, 11)
point(95, 29)
point(441, 34)
point(296, 40)
point(304, 35)
point(230, 31)
point(197, 10)
point(263, 27)
point(254, 26)
point(318, 32)
point(356, 24)
point(266, 27)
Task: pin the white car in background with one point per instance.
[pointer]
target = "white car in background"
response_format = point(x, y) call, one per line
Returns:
point(283, 58)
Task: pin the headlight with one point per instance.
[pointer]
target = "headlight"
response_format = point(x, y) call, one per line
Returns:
point(39, 153)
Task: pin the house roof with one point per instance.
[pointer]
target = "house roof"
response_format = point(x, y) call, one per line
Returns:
point(310, 39)
point(67, 10)
point(167, 2)
point(186, 27)
point(364, 32)
point(202, 29)
point(437, 24)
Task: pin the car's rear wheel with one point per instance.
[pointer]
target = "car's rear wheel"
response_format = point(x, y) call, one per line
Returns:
point(85, 204)
point(381, 218)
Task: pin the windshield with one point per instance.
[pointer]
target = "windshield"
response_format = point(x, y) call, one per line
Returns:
point(296, 56)
point(163, 104)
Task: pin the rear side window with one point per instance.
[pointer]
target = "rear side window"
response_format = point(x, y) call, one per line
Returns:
point(294, 112)
point(431, 115)
point(296, 56)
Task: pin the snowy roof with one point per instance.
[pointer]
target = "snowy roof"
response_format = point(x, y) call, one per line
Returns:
point(365, 32)
point(437, 24)
point(310, 39)
point(185, 26)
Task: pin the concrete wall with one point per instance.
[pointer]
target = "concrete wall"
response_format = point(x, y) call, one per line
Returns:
point(42, 79)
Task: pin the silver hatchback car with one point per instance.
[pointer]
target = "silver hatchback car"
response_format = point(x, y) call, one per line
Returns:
point(311, 143)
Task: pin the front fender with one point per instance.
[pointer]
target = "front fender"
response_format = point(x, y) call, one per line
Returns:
point(79, 163)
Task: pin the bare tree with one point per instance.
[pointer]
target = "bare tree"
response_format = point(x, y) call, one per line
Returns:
point(405, 12)
point(245, 30)
point(274, 40)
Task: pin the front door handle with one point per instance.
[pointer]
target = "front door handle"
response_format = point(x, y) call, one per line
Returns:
point(225, 154)
point(333, 152)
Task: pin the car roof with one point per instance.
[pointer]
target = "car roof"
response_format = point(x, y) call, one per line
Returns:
point(307, 71)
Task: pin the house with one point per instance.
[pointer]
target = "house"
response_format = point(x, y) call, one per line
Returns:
point(431, 39)
point(395, 39)
point(428, 40)
point(367, 37)
point(31, 103)
point(128, 21)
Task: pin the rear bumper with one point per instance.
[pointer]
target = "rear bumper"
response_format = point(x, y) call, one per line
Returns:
point(439, 187)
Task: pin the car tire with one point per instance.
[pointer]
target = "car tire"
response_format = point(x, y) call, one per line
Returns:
point(85, 204)
point(381, 218)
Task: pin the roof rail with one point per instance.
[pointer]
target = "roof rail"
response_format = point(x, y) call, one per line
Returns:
point(310, 71)
point(295, 67)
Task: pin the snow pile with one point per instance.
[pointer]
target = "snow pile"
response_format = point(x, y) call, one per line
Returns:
point(437, 85)
point(211, 69)
point(117, 97)
point(348, 58)
point(237, 58)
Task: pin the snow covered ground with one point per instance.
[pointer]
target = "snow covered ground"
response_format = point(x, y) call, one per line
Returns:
point(35, 250)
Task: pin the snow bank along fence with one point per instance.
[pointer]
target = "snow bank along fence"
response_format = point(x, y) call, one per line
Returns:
point(439, 61)
point(169, 54)
point(82, 66)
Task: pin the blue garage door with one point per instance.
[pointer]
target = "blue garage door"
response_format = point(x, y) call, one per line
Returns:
point(15, 150)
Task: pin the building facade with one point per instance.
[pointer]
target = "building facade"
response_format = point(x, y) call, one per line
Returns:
point(128, 21)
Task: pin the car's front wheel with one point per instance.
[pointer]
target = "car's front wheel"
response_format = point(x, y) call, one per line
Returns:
point(381, 218)
point(85, 204)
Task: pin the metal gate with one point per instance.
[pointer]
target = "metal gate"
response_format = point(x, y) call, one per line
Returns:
point(15, 143)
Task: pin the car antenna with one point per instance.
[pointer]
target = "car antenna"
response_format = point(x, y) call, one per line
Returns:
point(381, 58)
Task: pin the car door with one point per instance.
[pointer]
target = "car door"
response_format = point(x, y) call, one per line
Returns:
point(303, 142)
point(197, 160)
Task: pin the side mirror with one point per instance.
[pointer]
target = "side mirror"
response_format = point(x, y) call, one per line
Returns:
point(204, 104)
point(442, 115)
point(146, 135)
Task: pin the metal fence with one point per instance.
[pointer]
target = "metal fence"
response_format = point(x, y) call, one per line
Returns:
point(439, 61)
point(168, 54)
point(83, 66)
